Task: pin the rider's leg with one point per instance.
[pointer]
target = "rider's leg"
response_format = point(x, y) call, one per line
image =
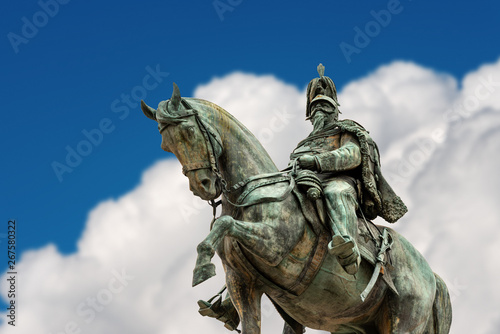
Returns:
point(341, 202)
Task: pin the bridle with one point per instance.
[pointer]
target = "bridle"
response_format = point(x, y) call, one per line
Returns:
point(214, 150)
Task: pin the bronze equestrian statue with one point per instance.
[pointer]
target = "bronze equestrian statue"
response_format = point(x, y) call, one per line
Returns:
point(302, 236)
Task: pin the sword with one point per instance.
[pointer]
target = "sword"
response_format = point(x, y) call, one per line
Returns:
point(379, 267)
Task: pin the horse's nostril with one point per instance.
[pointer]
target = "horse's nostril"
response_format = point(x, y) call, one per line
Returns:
point(205, 183)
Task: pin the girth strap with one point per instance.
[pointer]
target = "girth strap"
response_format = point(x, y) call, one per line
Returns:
point(312, 266)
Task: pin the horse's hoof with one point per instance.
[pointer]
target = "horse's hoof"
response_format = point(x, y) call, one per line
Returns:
point(202, 273)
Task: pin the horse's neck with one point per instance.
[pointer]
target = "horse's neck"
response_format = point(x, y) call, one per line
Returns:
point(243, 156)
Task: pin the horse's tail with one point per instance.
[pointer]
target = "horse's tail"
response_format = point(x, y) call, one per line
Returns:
point(441, 308)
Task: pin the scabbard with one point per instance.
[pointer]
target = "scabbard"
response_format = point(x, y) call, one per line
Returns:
point(373, 280)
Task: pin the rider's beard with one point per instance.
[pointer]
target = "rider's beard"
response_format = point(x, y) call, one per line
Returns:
point(319, 121)
point(322, 120)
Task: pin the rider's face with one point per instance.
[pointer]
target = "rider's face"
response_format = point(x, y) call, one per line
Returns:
point(322, 106)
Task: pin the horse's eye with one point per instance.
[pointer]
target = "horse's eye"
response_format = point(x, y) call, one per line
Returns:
point(191, 129)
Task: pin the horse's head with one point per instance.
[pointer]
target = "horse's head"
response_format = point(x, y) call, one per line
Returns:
point(194, 144)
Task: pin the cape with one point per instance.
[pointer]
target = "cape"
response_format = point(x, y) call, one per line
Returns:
point(377, 196)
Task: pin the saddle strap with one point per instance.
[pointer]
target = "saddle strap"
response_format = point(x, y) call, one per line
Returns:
point(264, 199)
point(250, 189)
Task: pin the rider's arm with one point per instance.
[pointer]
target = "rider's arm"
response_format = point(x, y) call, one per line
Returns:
point(346, 157)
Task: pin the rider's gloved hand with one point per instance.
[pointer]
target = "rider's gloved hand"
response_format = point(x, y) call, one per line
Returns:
point(308, 162)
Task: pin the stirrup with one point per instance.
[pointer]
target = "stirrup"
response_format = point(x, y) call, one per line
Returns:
point(346, 253)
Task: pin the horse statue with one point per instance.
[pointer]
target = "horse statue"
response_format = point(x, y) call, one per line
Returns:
point(270, 243)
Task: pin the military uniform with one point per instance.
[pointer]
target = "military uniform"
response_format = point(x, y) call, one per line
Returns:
point(337, 156)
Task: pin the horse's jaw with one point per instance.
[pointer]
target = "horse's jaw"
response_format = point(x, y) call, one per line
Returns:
point(207, 196)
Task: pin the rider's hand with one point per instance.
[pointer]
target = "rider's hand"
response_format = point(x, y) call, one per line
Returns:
point(307, 162)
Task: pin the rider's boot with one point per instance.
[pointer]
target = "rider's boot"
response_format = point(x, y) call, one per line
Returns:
point(346, 251)
point(221, 310)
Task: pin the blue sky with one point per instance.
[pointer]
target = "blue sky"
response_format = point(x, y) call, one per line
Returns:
point(64, 79)
point(73, 73)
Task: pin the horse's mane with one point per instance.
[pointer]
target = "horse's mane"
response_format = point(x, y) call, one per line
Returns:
point(224, 123)
point(212, 112)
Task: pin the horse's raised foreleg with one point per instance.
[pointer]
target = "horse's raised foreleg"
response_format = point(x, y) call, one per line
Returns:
point(204, 268)
point(261, 238)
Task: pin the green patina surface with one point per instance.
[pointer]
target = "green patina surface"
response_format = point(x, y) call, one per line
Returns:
point(302, 236)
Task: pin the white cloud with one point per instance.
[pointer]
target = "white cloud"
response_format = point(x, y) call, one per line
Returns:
point(455, 218)
point(136, 255)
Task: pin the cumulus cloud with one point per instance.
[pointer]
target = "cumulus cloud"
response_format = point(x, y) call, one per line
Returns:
point(438, 139)
point(272, 109)
point(455, 219)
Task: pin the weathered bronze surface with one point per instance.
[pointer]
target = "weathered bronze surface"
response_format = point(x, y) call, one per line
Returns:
point(302, 236)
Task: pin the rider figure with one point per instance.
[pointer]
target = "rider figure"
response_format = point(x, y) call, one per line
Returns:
point(346, 161)
point(335, 156)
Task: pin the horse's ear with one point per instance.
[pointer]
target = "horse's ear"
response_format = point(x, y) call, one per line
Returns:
point(148, 111)
point(175, 100)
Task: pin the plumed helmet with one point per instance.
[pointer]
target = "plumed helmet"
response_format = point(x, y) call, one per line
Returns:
point(320, 86)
